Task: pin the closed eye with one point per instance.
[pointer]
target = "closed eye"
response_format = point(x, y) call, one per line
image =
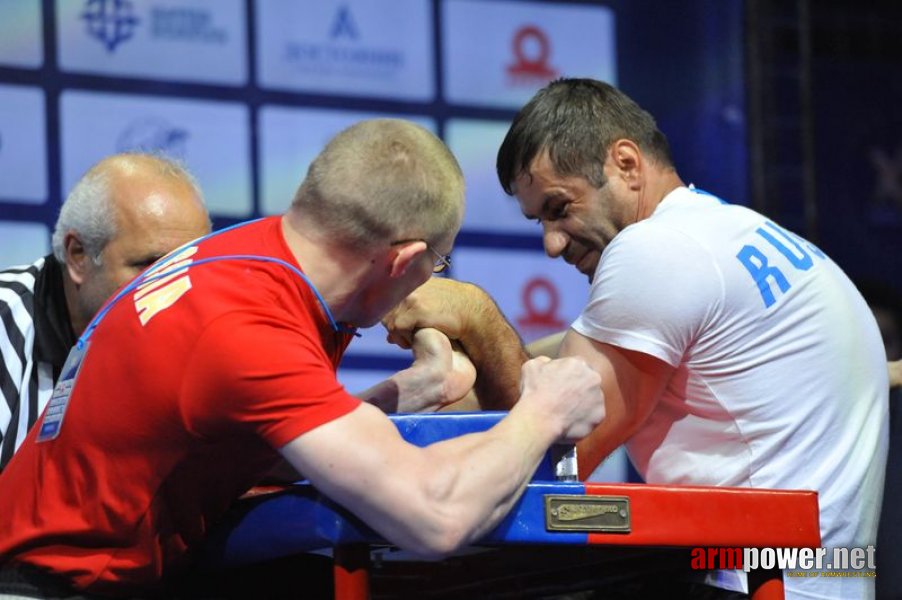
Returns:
point(558, 212)
point(143, 263)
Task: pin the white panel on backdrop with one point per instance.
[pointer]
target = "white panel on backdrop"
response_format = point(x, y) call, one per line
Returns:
point(353, 47)
point(22, 243)
point(290, 138)
point(500, 53)
point(21, 33)
point(23, 145)
point(538, 295)
point(210, 138)
point(183, 40)
point(475, 144)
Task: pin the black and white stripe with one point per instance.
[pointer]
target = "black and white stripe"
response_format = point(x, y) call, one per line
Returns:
point(25, 386)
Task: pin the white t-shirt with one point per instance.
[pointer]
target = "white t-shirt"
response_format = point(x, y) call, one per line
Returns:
point(780, 377)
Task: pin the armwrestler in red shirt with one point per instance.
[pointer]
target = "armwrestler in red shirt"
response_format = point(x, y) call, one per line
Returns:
point(221, 359)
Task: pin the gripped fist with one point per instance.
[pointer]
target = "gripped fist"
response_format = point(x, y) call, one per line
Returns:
point(567, 390)
point(440, 374)
point(433, 350)
point(440, 303)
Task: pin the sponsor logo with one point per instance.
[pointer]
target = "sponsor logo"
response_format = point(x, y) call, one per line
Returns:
point(110, 21)
point(185, 25)
point(532, 49)
point(541, 300)
point(114, 22)
point(154, 135)
point(345, 53)
point(343, 25)
point(794, 562)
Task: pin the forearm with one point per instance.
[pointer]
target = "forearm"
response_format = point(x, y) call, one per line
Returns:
point(487, 473)
point(440, 375)
point(497, 352)
point(632, 383)
point(431, 500)
point(592, 450)
point(412, 390)
point(385, 395)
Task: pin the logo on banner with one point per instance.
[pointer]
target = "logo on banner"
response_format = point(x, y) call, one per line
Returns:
point(154, 135)
point(541, 300)
point(185, 25)
point(110, 21)
point(344, 54)
point(532, 49)
point(344, 26)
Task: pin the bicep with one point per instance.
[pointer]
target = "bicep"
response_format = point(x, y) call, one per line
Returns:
point(632, 383)
point(341, 456)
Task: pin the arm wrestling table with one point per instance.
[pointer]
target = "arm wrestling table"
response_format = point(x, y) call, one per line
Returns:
point(271, 523)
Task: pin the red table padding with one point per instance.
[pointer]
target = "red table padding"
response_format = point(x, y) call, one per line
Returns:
point(668, 515)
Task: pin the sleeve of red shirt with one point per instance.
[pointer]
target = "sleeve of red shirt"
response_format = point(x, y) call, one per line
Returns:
point(263, 371)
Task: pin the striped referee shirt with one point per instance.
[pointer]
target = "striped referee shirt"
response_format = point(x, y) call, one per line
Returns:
point(35, 337)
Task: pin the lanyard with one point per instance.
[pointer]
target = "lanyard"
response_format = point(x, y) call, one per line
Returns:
point(52, 419)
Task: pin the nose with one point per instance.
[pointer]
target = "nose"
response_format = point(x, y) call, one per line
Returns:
point(555, 240)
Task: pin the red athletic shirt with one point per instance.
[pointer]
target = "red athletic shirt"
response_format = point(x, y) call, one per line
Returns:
point(189, 386)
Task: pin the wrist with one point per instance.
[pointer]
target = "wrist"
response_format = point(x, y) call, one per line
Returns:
point(543, 426)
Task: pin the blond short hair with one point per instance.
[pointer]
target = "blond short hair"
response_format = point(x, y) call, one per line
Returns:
point(380, 181)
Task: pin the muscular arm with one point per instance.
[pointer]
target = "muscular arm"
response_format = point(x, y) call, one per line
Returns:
point(549, 345)
point(440, 375)
point(436, 499)
point(497, 353)
point(632, 383)
point(466, 314)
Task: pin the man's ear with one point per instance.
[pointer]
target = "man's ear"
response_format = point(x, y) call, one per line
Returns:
point(404, 255)
point(627, 157)
point(78, 262)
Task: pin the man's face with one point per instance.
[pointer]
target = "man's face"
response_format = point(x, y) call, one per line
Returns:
point(153, 216)
point(578, 220)
point(386, 293)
